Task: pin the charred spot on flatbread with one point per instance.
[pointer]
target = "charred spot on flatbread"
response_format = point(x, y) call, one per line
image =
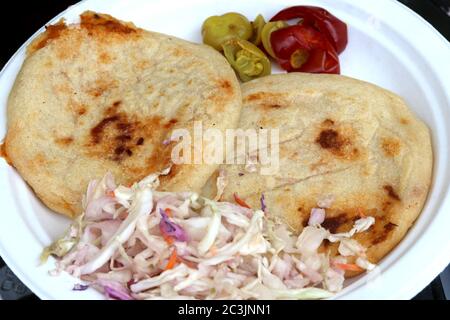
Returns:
point(390, 146)
point(51, 32)
point(92, 20)
point(335, 223)
point(391, 192)
point(118, 135)
point(338, 141)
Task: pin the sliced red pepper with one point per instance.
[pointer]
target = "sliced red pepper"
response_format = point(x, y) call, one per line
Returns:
point(302, 48)
point(168, 239)
point(334, 29)
point(240, 202)
point(348, 267)
point(131, 282)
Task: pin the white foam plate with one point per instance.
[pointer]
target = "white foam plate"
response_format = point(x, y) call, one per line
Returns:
point(389, 45)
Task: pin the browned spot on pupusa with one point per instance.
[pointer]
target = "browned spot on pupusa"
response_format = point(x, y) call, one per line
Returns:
point(326, 243)
point(404, 121)
point(104, 58)
point(3, 153)
point(39, 160)
point(179, 52)
point(160, 158)
point(386, 205)
point(383, 234)
point(339, 140)
point(123, 137)
point(266, 96)
point(100, 87)
point(174, 170)
point(330, 139)
point(391, 192)
point(91, 20)
point(170, 123)
point(62, 89)
point(390, 146)
point(221, 95)
point(65, 141)
point(339, 145)
point(103, 26)
point(268, 101)
point(118, 134)
point(67, 206)
point(226, 86)
point(271, 105)
point(140, 141)
point(77, 108)
point(112, 109)
point(315, 166)
point(98, 130)
point(142, 65)
point(302, 208)
point(81, 111)
point(51, 33)
point(334, 223)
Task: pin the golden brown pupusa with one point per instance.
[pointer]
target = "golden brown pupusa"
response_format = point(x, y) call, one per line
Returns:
point(340, 137)
point(103, 95)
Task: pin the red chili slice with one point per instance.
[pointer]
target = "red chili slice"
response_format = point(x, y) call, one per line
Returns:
point(303, 48)
point(334, 29)
point(240, 202)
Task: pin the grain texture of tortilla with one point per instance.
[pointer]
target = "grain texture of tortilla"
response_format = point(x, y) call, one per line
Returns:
point(103, 95)
point(340, 138)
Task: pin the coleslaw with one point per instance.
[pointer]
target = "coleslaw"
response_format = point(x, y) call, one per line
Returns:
point(140, 243)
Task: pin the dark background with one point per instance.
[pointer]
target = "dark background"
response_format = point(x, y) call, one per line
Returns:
point(21, 19)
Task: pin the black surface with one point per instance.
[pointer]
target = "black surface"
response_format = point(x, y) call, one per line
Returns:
point(21, 20)
point(434, 11)
point(433, 291)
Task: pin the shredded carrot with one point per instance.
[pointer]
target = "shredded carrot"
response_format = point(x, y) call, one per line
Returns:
point(168, 212)
point(168, 239)
point(172, 260)
point(348, 267)
point(240, 202)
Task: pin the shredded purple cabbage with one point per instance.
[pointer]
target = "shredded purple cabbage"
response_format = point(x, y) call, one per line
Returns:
point(171, 229)
point(116, 294)
point(263, 203)
point(80, 287)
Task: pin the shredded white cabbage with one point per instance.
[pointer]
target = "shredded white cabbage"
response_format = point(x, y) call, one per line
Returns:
point(139, 243)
